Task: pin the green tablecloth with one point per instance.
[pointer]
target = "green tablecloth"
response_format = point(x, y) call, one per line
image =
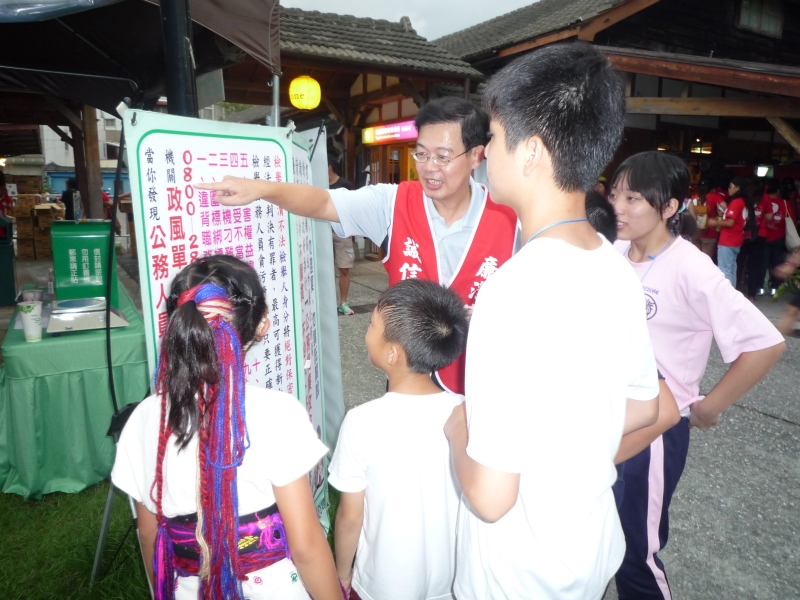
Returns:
point(55, 404)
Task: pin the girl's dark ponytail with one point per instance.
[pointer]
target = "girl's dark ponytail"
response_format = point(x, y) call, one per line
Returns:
point(189, 359)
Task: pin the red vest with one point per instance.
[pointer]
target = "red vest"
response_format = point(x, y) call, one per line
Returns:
point(412, 253)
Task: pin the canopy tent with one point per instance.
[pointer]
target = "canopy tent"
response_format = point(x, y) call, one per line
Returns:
point(111, 50)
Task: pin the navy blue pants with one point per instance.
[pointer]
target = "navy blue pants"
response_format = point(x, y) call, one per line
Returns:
point(643, 492)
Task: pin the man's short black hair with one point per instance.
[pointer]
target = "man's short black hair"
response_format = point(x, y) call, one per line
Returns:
point(570, 97)
point(772, 185)
point(473, 121)
point(601, 215)
point(657, 176)
point(427, 320)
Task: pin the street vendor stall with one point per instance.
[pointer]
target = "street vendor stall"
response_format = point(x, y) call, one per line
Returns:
point(55, 404)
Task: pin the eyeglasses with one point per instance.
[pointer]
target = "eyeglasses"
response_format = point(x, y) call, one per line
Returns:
point(442, 161)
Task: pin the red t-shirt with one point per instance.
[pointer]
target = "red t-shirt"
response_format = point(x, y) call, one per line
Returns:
point(6, 202)
point(776, 228)
point(733, 237)
point(715, 203)
point(761, 210)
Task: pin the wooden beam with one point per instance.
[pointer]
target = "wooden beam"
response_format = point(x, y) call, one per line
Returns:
point(301, 61)
point(94, 177)
point(391, 91)
point(611, 17)
point(65, 110)
point(61, 134)
point(716, 107)
point(541, 41)
point(258, 86)
point(332, 107)
point(415, 95)
point(79, 152)
point(16, 127)
point(684, 71)
point(467, 88)
point(787, 131)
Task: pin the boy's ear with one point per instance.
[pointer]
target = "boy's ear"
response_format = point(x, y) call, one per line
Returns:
point(534, 151)
point(394, 355)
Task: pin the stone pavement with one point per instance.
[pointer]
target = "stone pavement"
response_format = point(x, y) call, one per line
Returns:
point(735, 518)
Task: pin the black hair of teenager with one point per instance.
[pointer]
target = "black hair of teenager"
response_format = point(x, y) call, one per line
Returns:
point(601, 215)
point(189, 340)
point(772, 185)
point(739, 182)
point(569, 96)
point(333, 163)
point(71, 183)
point(473, 121)
point(427, 320)
point(658, 177)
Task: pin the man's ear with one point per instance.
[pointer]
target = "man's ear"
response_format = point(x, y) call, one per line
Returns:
point(477, 154)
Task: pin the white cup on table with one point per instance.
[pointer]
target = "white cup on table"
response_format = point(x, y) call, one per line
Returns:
point(31, 295)
point(31, 313)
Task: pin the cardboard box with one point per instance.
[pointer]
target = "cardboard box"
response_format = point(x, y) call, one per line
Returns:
point(43, 249)
point(26, 202)
point(25, 250)
point(44, 215)
point(28, 184)
point(24, 227)
point(41, 234)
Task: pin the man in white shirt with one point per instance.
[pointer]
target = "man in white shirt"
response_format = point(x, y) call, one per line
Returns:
point(442, 228)
point(553, 379)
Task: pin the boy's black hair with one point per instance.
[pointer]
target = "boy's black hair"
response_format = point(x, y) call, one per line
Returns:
point(658, 177)
point(427, 320)
point(601, 215)
point(473, 121)
point(570, 97)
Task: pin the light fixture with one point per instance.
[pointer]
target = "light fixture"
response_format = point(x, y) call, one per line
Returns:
point(305, 93)
point(762, 171)
point(2, 162)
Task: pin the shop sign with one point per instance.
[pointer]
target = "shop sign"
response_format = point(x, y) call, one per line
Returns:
point(394, 132)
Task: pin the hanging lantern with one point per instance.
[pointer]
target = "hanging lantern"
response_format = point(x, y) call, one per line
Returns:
point(304, 92)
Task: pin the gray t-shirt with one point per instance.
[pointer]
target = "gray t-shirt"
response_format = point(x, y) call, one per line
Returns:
point(368, 212)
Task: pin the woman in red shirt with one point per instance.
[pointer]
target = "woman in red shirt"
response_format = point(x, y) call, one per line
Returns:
point(6, 201)
point(731, 233)
point(709, 205)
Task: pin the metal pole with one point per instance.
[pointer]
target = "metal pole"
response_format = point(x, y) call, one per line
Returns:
point(276, 101)
point(176, 27)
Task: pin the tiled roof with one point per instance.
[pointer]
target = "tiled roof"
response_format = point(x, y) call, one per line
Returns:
point(370, 42)
point(529, 22)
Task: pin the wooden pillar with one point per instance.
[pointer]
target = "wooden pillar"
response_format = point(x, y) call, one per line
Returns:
point(467, 85)
point(350, 154)
point(79, 152)
point(93, 203)
point(787, 131)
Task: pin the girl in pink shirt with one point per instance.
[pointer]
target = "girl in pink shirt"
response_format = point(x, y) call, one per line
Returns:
point(688, 303)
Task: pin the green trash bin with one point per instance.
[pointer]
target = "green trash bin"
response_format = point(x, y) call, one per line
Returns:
point(8, 284)
point(80, 259)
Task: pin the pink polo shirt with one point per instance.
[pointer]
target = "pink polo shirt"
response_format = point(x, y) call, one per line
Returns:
point(689, 302)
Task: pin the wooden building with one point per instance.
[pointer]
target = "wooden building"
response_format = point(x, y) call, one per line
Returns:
point(374, 75)
point(715, 82)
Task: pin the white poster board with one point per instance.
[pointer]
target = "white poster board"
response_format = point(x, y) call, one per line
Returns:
point(177, 224)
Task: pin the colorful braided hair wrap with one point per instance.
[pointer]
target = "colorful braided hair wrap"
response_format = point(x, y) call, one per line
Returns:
point(222, 442)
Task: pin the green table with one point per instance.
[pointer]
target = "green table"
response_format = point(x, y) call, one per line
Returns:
point(55, 404)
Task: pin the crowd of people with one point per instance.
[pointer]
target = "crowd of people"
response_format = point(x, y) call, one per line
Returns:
point(535, 457)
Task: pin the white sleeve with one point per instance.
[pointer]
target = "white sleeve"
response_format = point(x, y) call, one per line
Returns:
point(641, 364)
point(295, 451)
point(348, 469)
point(129, 473)
point(495, 387)
point(366, 211)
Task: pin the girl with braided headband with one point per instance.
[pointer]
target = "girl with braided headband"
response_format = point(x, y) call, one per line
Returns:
point(218, 468)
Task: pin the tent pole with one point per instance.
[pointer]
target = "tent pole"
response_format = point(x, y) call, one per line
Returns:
point(276, 101)
point(176, 27)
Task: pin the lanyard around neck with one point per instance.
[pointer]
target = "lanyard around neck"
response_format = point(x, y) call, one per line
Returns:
point(657, 254)
point(546, 227)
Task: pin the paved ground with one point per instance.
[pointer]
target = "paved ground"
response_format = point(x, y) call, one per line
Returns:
point(734, 525)
point(735, 519)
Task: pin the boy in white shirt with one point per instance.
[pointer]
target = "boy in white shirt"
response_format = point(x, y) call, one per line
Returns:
point(400, 500)
point(559, 360)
